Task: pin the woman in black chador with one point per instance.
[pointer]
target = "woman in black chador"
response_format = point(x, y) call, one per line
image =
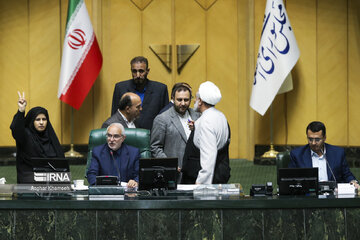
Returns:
point(35, 137)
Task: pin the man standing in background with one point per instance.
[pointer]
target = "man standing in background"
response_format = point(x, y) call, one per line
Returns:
point(154, 95)
point(128, 111)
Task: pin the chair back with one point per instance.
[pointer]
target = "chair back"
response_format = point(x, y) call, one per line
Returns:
point(282, 160)
point(136, 137)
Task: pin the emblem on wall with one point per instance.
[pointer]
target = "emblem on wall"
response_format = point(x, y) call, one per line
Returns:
point(183, 54)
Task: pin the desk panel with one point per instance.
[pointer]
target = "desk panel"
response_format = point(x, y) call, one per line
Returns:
point(181, 218)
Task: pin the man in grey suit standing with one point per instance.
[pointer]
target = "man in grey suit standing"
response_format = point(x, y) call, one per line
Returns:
point(170, 130)
point(128, 111)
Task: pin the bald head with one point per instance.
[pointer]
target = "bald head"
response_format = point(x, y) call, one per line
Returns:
point(130, 106)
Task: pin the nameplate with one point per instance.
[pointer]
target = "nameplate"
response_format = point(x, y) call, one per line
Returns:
point(42, 188)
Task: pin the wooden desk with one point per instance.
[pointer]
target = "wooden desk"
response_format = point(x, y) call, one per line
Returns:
point(181, 218)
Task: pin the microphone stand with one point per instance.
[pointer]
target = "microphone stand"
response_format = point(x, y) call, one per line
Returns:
point(72, 153)
point(116, 166)
point(272, 152)
point(329, 186)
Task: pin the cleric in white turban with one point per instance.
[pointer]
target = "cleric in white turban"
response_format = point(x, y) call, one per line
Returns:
point(208, 145)
point(209, 93)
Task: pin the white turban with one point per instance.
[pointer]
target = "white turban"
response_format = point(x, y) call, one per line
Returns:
point(209, 93)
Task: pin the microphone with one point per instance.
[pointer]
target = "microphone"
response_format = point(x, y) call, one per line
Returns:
point(116, 166)
point(327, 163)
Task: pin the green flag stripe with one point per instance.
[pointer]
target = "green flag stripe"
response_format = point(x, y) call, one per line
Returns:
point(73, 8)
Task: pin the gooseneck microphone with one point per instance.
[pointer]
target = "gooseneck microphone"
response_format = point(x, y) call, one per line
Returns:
point(116, 166)
point(327, 163)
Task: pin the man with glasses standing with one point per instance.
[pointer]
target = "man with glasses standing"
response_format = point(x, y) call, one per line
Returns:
point(329, 159)
point(114, 158)
point(154, 95)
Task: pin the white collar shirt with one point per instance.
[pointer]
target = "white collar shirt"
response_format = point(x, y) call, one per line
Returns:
point(184, 122)
point(129, 124)
point(320, 163)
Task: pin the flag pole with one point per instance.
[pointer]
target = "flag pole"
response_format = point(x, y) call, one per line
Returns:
point(271, 153)
point(72, 153)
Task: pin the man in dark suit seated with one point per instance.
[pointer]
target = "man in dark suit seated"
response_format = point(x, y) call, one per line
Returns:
point(154, 95)
point(328, 158)
point(128, 111)
point(115, 158)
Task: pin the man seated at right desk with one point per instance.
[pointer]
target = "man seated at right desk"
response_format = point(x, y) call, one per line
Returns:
point(115, 158)
point(329, 159)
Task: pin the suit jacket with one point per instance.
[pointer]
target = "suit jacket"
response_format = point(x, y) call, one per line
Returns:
point(115, 118)
point(168, 138)
point(301, 158)
point(170, 104)
point(156, 97)
point(102, 163)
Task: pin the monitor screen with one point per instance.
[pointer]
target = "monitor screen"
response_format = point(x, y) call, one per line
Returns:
point(158, 173)
point(298, 181)
point(50, 164)
point(50, 170)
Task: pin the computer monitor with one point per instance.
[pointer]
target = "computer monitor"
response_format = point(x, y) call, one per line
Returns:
point(298, 181)
point(158, 173)
point(50, 170)
point(50, 164)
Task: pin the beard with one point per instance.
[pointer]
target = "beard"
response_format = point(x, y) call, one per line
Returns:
point(140, 82)
point(196, 106)
point(181, 110)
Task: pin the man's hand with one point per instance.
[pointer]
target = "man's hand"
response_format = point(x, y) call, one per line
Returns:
point(355, 183)
point(191, 125)
point(132, 184)
point(22, 102)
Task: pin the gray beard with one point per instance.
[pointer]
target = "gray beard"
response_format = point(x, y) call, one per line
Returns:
point(196, 106)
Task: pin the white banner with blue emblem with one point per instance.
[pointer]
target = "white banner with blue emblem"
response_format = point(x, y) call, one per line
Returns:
point(277, 55)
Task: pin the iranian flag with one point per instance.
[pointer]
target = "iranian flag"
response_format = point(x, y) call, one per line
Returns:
point(81, 59)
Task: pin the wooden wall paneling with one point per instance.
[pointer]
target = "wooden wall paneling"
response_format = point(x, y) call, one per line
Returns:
point(14, 62)
point(157, 29)
point(222, 62)
point(65, 109)
point(332, 69)
point(262, 123)
point(98, 98)
point(354, 71)
point(190, 28)
point(246, 66)
point(121, 41)
point(280, 113)
point(84, 117)
point(279, 118)
point(44, 58)
point(301, 101)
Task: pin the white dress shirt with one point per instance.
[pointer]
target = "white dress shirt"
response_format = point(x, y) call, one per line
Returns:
point(320, 163)
point(184, 122)
point(129, 124)
point(211, 134)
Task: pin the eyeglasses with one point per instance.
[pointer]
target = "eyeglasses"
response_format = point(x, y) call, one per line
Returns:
point(134, 71)
point(115, 136)
point(314, 139)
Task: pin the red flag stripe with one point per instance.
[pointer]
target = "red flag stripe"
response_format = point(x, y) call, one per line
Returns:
point(84, 78)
